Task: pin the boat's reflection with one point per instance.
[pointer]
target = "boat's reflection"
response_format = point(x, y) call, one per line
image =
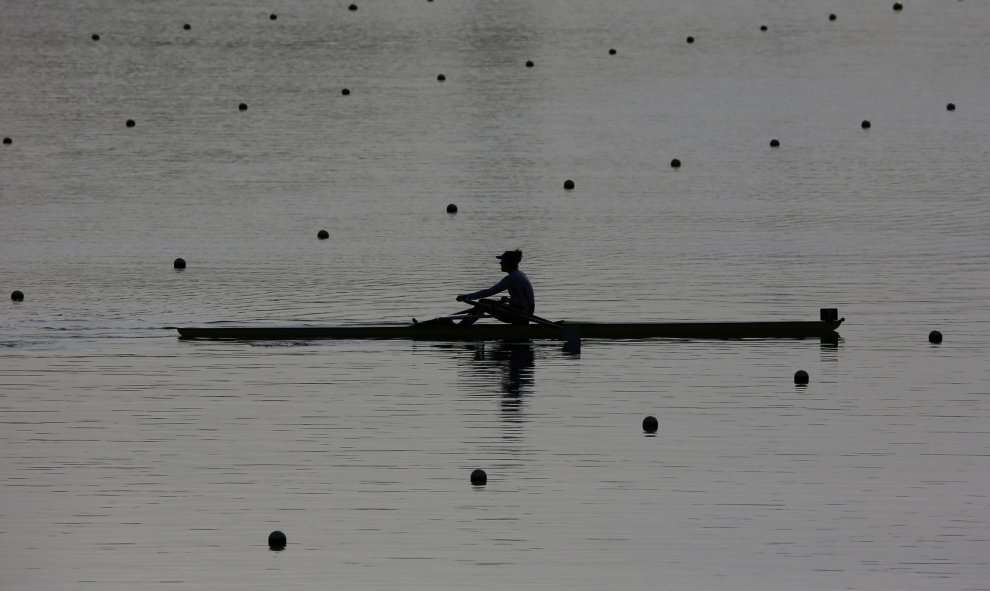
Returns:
point(830, 347)
point(505, 369)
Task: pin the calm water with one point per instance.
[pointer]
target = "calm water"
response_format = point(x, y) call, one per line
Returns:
point(134, 461)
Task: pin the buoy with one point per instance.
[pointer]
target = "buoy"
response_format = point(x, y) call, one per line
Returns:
point(345, 91)
point(763, 27)
point(179, 263)
point(948, 107)
point(441, 78)
point(130, 123)
point(831, 17)
point(273, 17)
point(611, 52)
point(774, 144)
point(451, 208)
point(690, 39)
point(186, 27)
point(529, 63)
point(242, 107)
point(866, 124)
point(323, 234)
point(17, 295)
point(95, 37)
point(651, 424)
point(568, 184)
point(675, 163)
point(898, 6)
point(276, 540)
point(7, 141)
point(352, 7)
point(801, 377)
point(933, 337)
point(478, 477)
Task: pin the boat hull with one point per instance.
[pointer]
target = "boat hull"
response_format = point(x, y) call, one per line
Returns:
point(505, 332)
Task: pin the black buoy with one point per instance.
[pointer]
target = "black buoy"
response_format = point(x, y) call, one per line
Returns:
point(242, 107)
point(529, 63)
point(933, 337)
point(186, 27)
point(7, 141)
point(451, 208)
point(478, 477)
point(675, 163)
point(950, 107)
point(276, 540)
point(612, 52)
point(898, 6)
point(352, 7)
point(866, 124)
point(95, 37)
point(763, 27)
point(441, 78)
point(690, 39)
point(651, 424)
point(345, 91)
point(774, 144)
point(273, 17)
point(17, 295)
point(832, 17)
point(568, 184)
point(130, 123)
point(801, 377)
point(179, 263)
point(323, 234)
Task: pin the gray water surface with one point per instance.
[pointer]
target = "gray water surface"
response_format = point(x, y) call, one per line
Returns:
point(132, 460)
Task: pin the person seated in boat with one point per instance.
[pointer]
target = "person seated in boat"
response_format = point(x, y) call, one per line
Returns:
point(521, 298)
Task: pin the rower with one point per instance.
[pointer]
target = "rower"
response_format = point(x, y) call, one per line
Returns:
point(520, 298)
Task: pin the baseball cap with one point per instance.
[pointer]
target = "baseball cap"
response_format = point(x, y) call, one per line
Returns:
point(513, 256)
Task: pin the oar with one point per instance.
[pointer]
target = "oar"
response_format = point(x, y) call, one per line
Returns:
point(571, 332)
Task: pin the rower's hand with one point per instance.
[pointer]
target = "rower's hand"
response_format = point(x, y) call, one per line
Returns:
point(461, 298)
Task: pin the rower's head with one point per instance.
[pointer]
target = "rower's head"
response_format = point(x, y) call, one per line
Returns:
point(510, 259)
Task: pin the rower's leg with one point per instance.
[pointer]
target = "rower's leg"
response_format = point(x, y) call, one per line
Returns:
point(472, 316)
point(445, 319)
point(504, 313)
point(483, 307)
point(434, 321)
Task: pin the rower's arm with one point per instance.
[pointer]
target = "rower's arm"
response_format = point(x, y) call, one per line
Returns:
point(484, 293)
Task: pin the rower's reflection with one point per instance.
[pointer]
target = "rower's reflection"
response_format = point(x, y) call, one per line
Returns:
point(512, 364)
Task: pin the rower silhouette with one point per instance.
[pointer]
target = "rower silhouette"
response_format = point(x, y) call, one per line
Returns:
point(520, 299)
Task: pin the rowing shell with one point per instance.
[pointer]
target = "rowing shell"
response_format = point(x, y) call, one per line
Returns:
point(430, 331)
